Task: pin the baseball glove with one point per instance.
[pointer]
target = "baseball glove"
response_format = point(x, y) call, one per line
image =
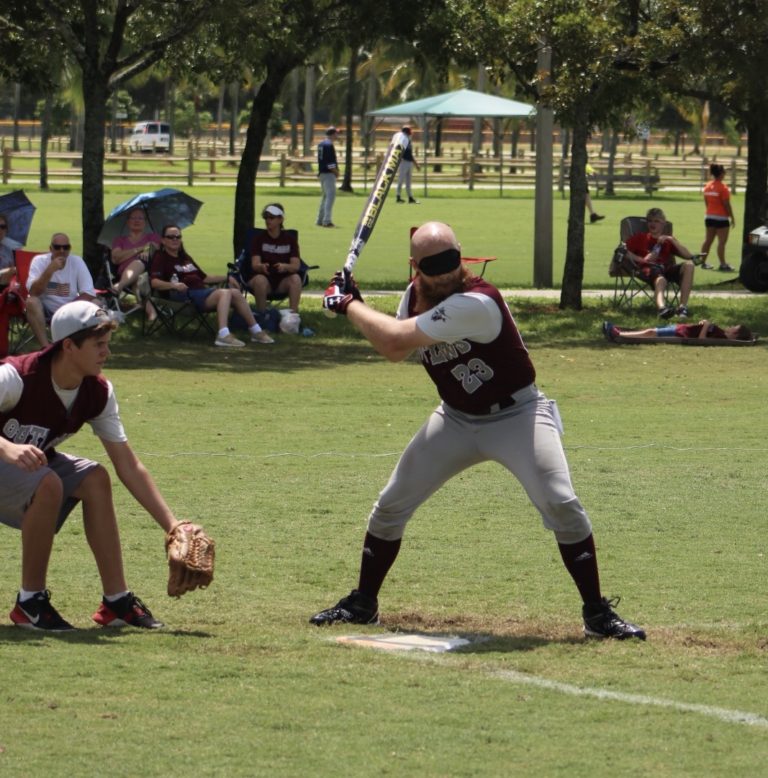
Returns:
point(190, 558)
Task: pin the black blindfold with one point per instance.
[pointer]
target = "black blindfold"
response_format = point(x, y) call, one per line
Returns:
point(437, 264)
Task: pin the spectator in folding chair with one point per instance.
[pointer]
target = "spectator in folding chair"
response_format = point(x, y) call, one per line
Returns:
point(654, 255)
point(174, 272)
point(275, 261)
point(130, 254)
point(7, 247)
point(11, 301)
point(55, 279)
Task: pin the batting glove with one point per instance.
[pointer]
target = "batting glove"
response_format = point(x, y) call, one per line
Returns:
point(335, 300)
point(347, 284)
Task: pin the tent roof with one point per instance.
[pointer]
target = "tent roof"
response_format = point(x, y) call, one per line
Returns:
point(463, 102)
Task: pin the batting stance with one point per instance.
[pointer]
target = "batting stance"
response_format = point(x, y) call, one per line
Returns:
point(490, 410)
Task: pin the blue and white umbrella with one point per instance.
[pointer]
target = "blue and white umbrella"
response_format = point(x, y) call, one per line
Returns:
point(18, 210)
point(165, 206)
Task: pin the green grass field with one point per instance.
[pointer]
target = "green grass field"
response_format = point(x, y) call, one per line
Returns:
point(486, 224)
point(281, 451)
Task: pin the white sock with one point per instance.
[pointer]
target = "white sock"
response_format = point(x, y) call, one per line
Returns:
point(114, 597)
point(255, 330)
point(24, 595)
point(223, 332)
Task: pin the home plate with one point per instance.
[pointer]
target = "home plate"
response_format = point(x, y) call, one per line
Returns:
point(415, 642)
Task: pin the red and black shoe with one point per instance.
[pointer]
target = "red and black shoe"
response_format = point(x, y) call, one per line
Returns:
point(38, 613)
point(128, 611)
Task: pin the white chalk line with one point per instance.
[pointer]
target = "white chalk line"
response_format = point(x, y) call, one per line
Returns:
point(726, 715)
point(722, 714)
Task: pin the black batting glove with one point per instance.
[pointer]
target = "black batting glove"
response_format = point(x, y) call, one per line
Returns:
point(347, 284)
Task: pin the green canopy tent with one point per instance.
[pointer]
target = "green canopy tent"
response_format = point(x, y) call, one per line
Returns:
point(464, 103)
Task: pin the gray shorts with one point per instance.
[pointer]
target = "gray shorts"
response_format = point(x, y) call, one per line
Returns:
point(18, 487)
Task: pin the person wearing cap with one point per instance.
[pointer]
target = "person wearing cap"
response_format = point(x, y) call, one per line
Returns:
point(405, 174)
point(490, 410)
point(55, 278)
point(275, 261)
point(327, 172)
point(45, 397)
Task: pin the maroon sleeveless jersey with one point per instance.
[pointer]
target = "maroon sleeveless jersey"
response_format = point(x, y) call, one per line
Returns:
point(40, 418)
point(473, 377)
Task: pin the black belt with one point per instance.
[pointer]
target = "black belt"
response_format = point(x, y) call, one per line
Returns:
point(526, 393)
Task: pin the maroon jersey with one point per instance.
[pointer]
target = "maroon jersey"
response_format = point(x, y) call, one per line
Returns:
point(274, 250)
point(40, 418)
point(694, 330)
point(164, 266)
point(473, 377)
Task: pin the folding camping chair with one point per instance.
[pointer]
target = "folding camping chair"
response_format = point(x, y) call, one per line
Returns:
point(15, 333)
point(465, 260)
point(121, 304)
point(176, 317)
point(628, 282)
point(241, 271)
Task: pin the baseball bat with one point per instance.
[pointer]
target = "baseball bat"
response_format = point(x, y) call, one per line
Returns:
point(375, 201)
point(373, 205)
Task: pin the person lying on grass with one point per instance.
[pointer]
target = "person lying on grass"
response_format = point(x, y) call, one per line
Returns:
point(704, 329)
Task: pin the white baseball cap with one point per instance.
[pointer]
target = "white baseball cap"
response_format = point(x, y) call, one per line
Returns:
point(76, 316)
point(273, 210)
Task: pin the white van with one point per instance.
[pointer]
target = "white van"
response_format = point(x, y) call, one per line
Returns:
point(151, 136)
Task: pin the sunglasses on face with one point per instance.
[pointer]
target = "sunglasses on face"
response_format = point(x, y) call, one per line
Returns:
point(172, 237)
point(61, 246)
point(3, 226)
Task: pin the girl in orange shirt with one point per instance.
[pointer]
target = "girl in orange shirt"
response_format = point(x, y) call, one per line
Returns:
point(719, 218)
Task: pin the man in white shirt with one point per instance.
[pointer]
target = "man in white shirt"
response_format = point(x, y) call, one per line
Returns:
point(54, 279)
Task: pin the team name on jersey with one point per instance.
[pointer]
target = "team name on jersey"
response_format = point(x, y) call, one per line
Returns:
point(274, 248)
point(30, 434)
point(439, 353)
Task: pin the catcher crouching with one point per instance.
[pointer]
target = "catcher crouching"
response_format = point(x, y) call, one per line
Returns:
point(45, 397)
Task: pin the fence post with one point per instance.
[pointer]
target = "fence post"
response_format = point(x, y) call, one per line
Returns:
point(6, 164)
point(733, 176)
point(283, 168)
point(190, 165)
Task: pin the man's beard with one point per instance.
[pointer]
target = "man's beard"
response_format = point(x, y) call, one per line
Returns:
point(429, 298)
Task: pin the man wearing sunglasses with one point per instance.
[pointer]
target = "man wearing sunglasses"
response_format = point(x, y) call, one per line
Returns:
point(55, 278)
point(490, 410)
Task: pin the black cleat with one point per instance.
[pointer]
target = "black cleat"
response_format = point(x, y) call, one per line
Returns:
point(38, 613)
point(128, 611)
point(355, 608)
point(601, 621)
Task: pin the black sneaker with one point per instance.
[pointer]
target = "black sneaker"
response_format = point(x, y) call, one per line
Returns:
point(667, 312)
point(413, 200)
point(601, 621)
point(128, 611)
point(400, 199)
point(355, 608)
point(596, 217)
point(38, 613)
point(683, 312)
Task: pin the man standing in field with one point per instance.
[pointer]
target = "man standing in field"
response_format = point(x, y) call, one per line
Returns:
point(491, 410)
point(327, 172)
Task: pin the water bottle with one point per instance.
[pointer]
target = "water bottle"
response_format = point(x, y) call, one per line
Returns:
point(307, 332)
point(174, 279)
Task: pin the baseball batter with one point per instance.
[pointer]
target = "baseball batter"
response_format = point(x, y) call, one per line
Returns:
point(490, 409)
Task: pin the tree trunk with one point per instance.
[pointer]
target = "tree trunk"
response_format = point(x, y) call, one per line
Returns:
point(573, 272)
point(96, 93)
point(757, 168)
point(261, 111)
point(234, 116)
point(45, 134)
point(354, 58)
point(309, 110)
point(294, 110)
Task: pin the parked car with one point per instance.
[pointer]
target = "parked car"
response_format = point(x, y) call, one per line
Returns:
point(151, 136)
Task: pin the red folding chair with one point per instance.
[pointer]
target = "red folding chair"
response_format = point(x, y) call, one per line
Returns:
point(14, 330)
point(465, 260)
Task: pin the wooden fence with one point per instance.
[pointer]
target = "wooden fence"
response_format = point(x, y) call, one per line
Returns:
point(455, 168)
